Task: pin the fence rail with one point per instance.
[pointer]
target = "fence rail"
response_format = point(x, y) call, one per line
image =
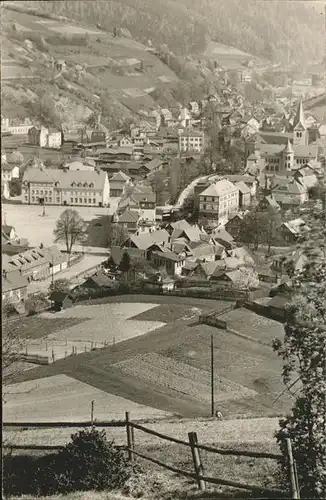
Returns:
point(212, 480)
point(130, 426)
point(48, 425)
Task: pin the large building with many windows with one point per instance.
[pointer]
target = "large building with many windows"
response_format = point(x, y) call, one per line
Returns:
point(66, 187)
point(191, 140)
point(218, 201)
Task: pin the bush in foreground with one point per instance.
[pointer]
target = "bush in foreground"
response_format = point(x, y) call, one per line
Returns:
point(88, 462)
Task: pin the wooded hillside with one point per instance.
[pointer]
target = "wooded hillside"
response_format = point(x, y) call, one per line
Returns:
point(272, 29)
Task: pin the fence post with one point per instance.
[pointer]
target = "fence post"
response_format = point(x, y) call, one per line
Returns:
point(296, 477)
point(198, 466)
point(293, 482)
point(129, 437)
point(92, 413)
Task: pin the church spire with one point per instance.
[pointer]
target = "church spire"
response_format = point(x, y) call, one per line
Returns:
point(299, 119)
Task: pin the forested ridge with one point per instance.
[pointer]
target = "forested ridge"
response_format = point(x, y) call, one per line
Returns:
point(271, 29)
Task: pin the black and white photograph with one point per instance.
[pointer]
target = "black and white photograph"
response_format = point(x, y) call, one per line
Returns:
point(163, 243)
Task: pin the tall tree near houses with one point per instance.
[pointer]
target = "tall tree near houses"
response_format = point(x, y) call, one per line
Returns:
point(213, 125)
point(70, 229)
point(304, 362)
point(125, 265)
point(117, 234)
point(158, 186)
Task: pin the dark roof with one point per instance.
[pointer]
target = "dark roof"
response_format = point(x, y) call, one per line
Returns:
point(129, 216)
point(100, 279)
point(7, 229)
point(58, 296)
point(169, 256)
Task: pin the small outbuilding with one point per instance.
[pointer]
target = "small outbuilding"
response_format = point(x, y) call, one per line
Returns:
point(60, 300)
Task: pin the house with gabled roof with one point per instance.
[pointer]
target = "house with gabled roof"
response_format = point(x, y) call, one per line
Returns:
point(118, 183)
point(289, 192)
point(218, 201)
point(223, 237)
point(291, 230)
point(129, 219)
point(234, 223)
point(170, 261)
point(146, 240)
point(8, 232)
point(97, 281)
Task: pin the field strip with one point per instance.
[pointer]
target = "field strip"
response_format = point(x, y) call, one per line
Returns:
point(62, 398)
point(181, 377)
point(235, 432)
point(105, 324)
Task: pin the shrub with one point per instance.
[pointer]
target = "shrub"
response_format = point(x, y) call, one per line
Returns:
point(88, 462)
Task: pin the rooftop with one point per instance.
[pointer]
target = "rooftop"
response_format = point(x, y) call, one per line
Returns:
point(221, 188)
point(66, 178)
point(13, 280)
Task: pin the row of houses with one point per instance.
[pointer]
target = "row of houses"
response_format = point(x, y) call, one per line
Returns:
point(20, 269)
point(183, 250)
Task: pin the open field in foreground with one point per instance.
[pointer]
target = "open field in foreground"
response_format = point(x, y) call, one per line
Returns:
point(62, 398)
point(248, 373)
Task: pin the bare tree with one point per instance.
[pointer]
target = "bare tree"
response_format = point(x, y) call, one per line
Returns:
point(70, 229)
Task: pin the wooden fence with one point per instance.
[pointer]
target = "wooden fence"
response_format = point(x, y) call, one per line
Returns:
point(198, 475)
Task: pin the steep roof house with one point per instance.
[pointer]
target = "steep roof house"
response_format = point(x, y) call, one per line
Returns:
point(146, 240)
point(233, 225)
point(290, 231)
point(61, 300)
point(13, 285)
point(129, 219)
point(97, 281)
point(9, 232)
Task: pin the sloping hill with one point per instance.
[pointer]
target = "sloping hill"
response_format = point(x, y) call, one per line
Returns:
point(268, 30)
point(113, 74)
point(317, 107)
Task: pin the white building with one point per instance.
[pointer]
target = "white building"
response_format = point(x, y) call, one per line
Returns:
point(184, 118)
point(45, 137)
point(66, 187)
point(191, 140)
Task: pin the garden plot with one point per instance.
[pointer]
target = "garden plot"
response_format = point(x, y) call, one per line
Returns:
point(183, 378)
point(62, 398)
point(103, 325)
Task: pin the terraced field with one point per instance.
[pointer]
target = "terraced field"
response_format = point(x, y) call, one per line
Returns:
point(182, 378)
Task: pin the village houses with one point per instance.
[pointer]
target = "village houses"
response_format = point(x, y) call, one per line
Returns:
point(45, 137)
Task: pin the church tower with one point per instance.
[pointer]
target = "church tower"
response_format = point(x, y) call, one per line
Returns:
point(300, 132)
point(288, 156)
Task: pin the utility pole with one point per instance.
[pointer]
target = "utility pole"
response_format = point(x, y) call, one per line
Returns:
point(212, 376)
point(52, 272)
